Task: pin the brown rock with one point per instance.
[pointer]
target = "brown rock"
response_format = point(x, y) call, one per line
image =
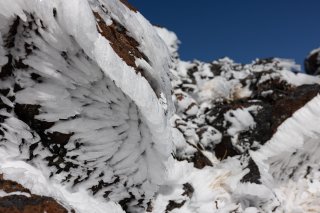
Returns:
point(125, 2)
point(124, 45)
point(312, 63)
point(26, 204)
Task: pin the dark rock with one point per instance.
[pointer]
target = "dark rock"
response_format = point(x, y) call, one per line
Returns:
point(26, 204)
point(124, 45)
point(200, 160)
point(254, 175)
point(188, 190)
point(312, 63)
point(225, 149)
point(174, 205)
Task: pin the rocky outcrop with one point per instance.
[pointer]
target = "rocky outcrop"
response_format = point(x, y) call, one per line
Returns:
point(17, 199)
point(99, 114)
point(230, 113)
point(312, 62)
point(242, 105)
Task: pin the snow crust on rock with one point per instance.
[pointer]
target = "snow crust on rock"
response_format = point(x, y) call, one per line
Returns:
point(292, 134)
point(314, 51)
point(290, 160)
point(277, 175)
point(210, 190)
point(312, 62)
point(33, 178)
point(72, 81)
point(82, 125)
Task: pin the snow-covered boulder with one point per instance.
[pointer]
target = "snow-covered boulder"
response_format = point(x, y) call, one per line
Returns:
point(85, 102)
point(16, 198)
point(312, 62)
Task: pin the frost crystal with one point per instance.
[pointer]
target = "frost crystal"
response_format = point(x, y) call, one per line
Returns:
point(98, 113)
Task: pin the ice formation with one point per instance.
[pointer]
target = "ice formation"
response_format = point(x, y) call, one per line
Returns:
point(99, 114)
point(249, 138)
point(77, 107)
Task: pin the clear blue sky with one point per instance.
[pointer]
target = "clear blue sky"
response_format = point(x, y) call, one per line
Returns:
point(241, 29)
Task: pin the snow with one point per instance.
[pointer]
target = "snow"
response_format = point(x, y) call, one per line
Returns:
point(211, 184)
point(295, 143)
point(33, 179)
point(293, 132)
point(299, 78)
point(240, 119)
point(150, 43)
point(198, 84)
point(124, 136)
point(217, 88)
point(92, 94)
point(170, 39)
point(4, 194)
point(314, 51)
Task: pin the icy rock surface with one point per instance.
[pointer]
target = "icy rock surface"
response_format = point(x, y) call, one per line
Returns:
point(98, 113)
point(312, 62)
point(13, 192)
point(246, 137)
point(79, 81)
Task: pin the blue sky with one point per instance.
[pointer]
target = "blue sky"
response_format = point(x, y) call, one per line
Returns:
point(241, 29)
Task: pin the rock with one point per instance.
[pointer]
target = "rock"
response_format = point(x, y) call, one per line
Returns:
point(76, 98)
point(258, 89)
point(20, 200)
point(87, 119)
point(312, 62)
point(247, 106)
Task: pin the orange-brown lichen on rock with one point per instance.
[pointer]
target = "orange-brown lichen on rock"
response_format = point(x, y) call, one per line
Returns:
point(125, 46)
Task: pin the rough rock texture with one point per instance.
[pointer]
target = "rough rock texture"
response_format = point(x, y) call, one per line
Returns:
point(217, 101)
point(227, 112)
point(20, 200)
point(312, 62)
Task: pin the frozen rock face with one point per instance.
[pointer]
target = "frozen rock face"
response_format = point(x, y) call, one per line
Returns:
point(312, 62)
point(78, 83)
point(234, 107)
point(16, 198)
point(243, 136)
point(87, 121)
